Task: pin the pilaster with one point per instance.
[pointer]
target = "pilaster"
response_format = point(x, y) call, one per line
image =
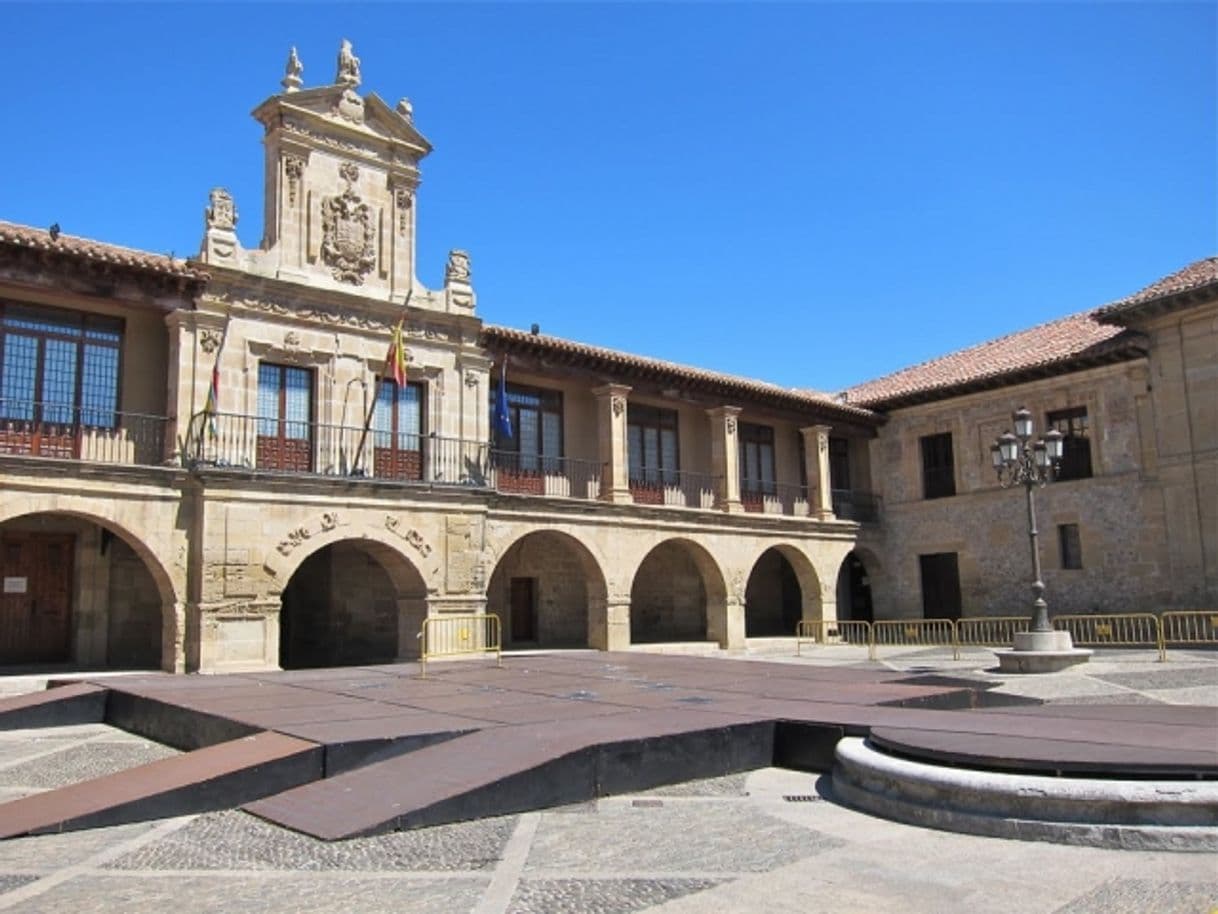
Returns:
point(725, 457)
point(611, 439)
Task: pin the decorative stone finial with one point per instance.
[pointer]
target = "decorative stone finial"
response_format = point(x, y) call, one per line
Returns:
point(457, 270)
point(222, 213)
point(291, 77)
point(406, 109)
point(348, 67)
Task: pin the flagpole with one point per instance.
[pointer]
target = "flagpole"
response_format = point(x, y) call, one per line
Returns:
point(359, 448)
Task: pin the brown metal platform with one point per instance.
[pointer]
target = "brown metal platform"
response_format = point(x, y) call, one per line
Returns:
point(391, 750)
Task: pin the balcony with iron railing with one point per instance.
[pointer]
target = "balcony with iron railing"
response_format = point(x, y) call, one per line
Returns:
point(862, 507)
point(228, 441)
point(87, 434)
point(761, 496)
point(673, 488)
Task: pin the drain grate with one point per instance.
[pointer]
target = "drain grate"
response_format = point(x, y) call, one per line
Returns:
point(801, 798)
point(647, 804)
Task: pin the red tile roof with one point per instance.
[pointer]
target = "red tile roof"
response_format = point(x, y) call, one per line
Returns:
point(1194, 277)
point(24, 236)
point(1061, 345)
point(626, 365)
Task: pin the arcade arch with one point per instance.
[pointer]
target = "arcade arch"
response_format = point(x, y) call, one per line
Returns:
point(854, 577)
point(544, 589)
point(81, 588)
point(678, 594)
point(346, 604)
point(782, 589)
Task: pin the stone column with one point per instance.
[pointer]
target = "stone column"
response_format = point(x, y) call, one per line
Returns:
point(725, 623)
point(725, 458)
point(609, 624)
point(173, 637)
point(816, 463)
point(611, 438)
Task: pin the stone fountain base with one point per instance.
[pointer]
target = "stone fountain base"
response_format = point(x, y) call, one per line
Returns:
point(1041, 652)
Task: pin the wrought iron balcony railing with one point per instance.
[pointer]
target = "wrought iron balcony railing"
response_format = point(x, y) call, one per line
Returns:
point(283, 446)
point(765, 497)
point(858, 506)
point(30, 428)
point(679, 488)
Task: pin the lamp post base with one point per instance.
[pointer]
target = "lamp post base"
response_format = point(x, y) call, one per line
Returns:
point(1041, 652)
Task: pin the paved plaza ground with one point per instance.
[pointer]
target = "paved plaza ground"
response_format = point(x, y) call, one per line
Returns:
point(766, 841)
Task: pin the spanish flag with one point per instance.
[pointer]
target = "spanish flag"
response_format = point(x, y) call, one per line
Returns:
point(213, 394)
point(395, 361)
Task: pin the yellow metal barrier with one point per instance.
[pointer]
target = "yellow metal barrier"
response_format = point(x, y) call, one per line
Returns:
point(1189, 626)
point(1114, 630)
point(452, 636)
point(915, 633)
point(849, 631)
point(989, 631)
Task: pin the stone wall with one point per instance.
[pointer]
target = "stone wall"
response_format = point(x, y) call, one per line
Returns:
point(668, 599)
point(1126, 565)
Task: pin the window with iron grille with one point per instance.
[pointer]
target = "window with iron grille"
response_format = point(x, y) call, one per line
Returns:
point(1076, 442)
point(651, 445)
point(756, 460)
point(938, 467)
point(59, 366)
point(536, 440)
point(1071, 546)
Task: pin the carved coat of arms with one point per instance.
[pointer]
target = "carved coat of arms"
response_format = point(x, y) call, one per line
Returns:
point(348, 243)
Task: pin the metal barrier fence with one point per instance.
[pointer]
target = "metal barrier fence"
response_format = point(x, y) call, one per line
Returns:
point(989, 631)
point(1188, 626)
point(819, 631)
point(456, 635)
point(1175, 627)
point(1114, 630)
point(916, 633)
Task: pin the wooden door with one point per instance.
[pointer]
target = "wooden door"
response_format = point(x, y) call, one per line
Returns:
point(36, 598)
point(524, 612)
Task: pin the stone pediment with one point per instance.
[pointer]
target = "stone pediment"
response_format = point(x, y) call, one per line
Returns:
point(340, 118)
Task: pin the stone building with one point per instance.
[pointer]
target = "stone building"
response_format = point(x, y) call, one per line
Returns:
point(208, 464)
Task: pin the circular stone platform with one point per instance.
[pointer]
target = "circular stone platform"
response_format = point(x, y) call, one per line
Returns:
point(1179, 815)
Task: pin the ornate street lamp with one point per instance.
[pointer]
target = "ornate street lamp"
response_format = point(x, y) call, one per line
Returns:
point(1020, 461)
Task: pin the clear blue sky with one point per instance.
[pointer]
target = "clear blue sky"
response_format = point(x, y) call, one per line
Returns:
point(813, 194)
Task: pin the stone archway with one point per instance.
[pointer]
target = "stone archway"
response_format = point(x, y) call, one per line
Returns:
point(350, 602)
point(678, 594)
point(854, 579)
point(782, 589)
point(545, 589)
point(82, 588)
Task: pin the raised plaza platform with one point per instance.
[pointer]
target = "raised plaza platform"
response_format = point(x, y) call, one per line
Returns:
point(337, 753)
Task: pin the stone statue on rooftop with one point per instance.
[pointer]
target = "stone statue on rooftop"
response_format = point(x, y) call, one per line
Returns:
point(291, 77)
point(348, 67)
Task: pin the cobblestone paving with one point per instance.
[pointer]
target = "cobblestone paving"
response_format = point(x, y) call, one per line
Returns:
point(733, 785)
point(254, 895)
point(238, 841)
point(1142, 896)
point(600, 896)
point(689, 837)
point(1170, 677)
point(82, 762)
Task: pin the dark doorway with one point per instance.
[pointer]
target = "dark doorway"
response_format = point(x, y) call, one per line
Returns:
point(524, 609)
point(339, 609)
point(854, 591)
point(773, 602)
point(940, 586)
point(36, 600)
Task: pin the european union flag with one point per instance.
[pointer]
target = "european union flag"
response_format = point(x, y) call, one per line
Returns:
point(503, 418)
